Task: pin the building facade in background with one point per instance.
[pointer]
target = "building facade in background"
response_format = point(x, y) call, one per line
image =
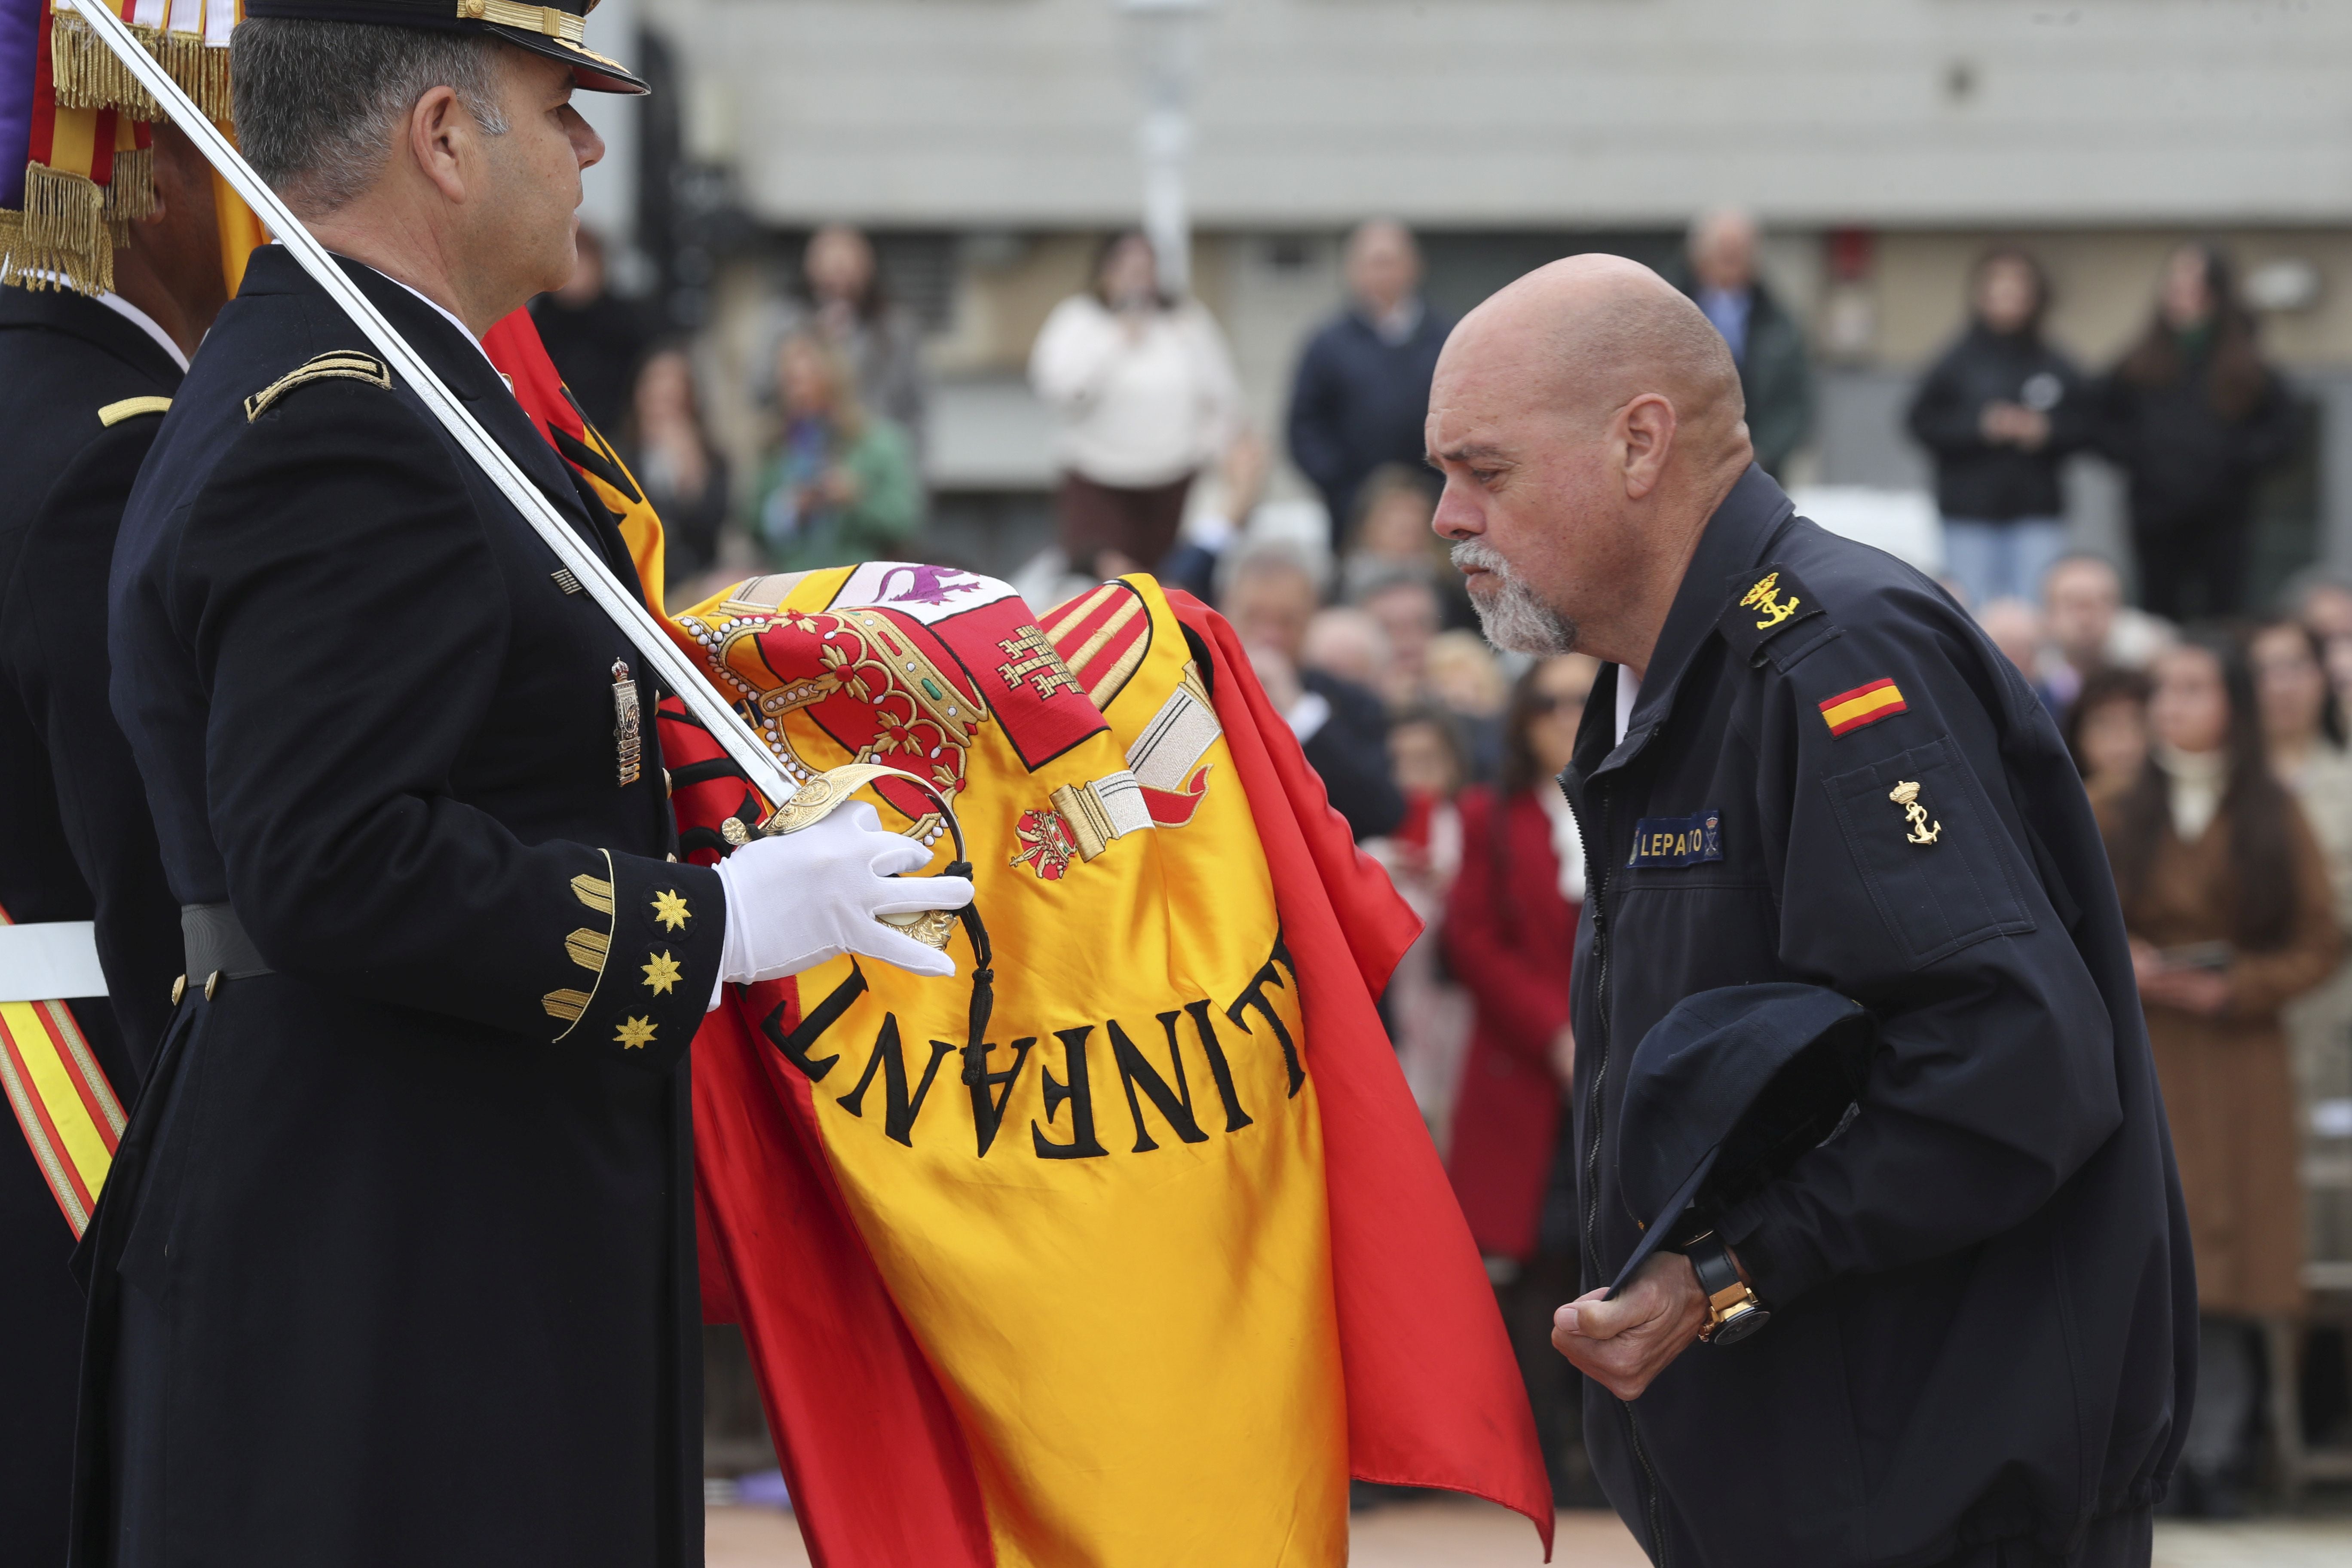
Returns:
point(1884, 143)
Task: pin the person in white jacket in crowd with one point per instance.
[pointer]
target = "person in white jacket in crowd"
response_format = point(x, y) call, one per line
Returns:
point(1144, 391)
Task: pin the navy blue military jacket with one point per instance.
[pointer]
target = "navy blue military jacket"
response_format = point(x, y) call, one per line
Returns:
point(398, 1263)
point(81, 394)
point(1983, 1309)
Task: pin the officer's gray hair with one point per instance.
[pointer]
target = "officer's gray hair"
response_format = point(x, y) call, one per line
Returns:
point(318, 103)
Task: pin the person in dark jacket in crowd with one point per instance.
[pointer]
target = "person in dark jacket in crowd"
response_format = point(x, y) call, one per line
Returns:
point(1269, 594)
point(596, 338)
point(1803, 762)
point(1510, 928)
point(2001, 412)
point(1362, 384)
point(84, 383)
point(2193, 416)
point(682, 472)
point(1776, 374)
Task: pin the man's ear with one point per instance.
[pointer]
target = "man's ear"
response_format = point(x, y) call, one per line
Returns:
point(441, 141)
point(1645, 434)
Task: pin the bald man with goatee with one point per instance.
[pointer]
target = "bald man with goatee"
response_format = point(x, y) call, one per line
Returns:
point(1960, 1328)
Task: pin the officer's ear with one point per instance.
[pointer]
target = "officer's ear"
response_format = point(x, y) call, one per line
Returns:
point(441, 137)
point(1643, 435)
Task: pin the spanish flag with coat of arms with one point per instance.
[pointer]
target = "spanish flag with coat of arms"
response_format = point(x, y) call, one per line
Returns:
point(1127, 1247)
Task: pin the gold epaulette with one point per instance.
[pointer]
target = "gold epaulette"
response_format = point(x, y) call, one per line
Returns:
point(114, 413)
point(341, 364)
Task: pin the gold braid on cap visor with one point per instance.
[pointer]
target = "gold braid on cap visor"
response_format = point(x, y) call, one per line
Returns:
point(543, 19)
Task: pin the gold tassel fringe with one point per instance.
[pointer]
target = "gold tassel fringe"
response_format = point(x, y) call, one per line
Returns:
point(131, 194)
point(200, 68)
point(88, 75)
point(61, 239)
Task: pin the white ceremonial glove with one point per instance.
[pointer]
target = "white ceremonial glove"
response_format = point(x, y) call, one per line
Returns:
point(794, 902)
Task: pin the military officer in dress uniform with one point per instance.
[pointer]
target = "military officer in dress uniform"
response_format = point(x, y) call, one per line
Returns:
point(397, 1264)
point(84, 381)
point(1960, 1328)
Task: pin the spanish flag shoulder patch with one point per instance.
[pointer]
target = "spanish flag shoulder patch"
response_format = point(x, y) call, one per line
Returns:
point(1864, 705)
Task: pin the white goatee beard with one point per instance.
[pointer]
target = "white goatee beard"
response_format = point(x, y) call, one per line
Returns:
point(1513, 618)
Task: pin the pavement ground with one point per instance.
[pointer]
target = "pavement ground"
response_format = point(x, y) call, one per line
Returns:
point(1451, 1533)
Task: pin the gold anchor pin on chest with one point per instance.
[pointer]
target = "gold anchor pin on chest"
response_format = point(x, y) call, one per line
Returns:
point(628, 733)
point(1906, 795)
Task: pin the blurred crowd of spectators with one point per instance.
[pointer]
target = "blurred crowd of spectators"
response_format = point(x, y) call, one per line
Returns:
point(2190, 415)
point(2213, 749)
point(839, 378)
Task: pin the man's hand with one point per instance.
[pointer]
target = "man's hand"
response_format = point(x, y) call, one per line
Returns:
point(2190, 989)
point(2013, 424)
point(1623, 1345)
point(1564, 1054)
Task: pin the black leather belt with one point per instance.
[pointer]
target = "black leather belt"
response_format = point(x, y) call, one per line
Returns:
point(216, 943)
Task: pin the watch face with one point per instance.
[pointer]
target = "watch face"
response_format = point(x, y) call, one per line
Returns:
point(1739, 1325)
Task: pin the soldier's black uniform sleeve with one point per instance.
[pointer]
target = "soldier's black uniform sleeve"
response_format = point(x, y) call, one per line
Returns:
point(1995, 1078)
point(349, 621)
point(53, 651)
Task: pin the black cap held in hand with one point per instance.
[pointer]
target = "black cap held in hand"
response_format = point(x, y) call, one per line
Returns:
point(554, 30)
point(1724, 1093)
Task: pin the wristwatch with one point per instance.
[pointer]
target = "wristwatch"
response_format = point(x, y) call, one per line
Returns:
point(1734, 1312)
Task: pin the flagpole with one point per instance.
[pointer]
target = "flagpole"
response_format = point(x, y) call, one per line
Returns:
point(646, 634)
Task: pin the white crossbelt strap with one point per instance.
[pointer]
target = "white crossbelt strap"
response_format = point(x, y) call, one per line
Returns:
point(50, 960)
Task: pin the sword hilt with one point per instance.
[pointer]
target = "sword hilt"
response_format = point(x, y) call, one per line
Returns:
point(817, 799)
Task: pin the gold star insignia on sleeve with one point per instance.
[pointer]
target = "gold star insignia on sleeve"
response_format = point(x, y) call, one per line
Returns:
point(670, 909)
point(635, 1032)
point(662, 972)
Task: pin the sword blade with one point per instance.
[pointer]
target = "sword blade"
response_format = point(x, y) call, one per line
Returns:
point(645, 634)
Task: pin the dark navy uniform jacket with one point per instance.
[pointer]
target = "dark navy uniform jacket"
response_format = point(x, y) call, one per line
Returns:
point(1984, 1316)
point(398, 1263)
point(75, 840)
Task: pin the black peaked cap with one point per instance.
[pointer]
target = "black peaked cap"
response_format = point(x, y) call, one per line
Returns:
point(552, 31)
point(1724, 1093)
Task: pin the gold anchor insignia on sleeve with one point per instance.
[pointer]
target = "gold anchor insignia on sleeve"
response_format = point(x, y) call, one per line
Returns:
point(1762, 597)
point(1906, 795)
point(629, 734)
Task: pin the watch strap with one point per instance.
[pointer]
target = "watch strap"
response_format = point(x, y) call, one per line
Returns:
point(1718, 1274)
